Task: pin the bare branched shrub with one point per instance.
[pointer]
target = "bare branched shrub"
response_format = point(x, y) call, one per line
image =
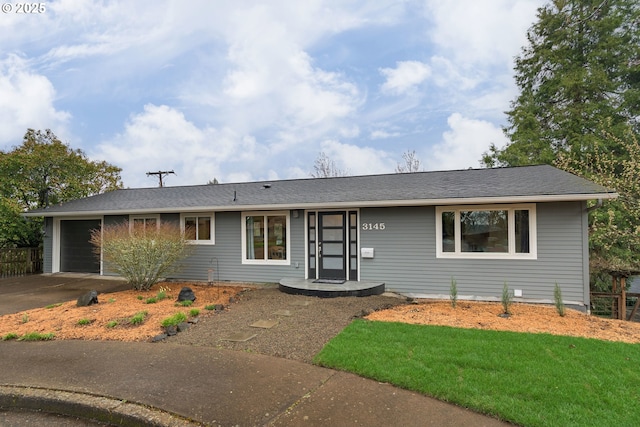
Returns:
point(141, 254)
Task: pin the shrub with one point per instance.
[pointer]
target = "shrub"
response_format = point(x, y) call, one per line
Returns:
point(185, 303)
point(36, 336)
point(210, 307)
point(557, 297)
point(141, 254)
point(174, 320)
point(112, 324)
point(151, 300)
point(194, 312)
point(138, 318)
point(506, 299)
point(84, 322)
point(453, 292)
point(25, 318)
point(10, 336)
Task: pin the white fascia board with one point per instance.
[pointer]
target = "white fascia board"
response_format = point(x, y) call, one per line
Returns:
point(346, 205)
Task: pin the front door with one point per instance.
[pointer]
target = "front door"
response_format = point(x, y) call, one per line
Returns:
point(332, 245)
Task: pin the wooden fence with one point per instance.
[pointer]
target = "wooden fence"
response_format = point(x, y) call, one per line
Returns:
point(20, 261)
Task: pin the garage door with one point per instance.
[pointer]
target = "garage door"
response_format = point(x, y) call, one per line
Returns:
point(76, 253)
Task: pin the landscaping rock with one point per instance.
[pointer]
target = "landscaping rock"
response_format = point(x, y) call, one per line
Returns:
point(87, 299)
point(183, 326)
point(193, 320)
point(159, 337)
point(171, 330)
point(186, 294)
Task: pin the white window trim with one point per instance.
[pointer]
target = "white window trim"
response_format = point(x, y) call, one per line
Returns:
point(210, 215)
point(533, 232)
point(266, 261)
point(132, 218)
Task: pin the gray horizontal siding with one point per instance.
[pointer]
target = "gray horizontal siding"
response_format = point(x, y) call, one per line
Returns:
point(47, 246)
point(225, 257)
point(405, 256)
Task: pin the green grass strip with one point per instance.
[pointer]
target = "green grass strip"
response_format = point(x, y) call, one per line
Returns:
point(528, 379)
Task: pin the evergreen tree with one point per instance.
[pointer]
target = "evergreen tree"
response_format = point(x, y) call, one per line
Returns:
point(580, 69)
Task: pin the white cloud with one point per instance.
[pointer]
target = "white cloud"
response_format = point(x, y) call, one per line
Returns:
point(462, 146)
point(357, 160)
point(161, 138)
point(486, 32)
point(27, 101)
point(405, 77)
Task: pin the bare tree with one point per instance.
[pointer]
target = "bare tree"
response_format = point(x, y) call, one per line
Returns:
point(324, 167)
point(411, 163)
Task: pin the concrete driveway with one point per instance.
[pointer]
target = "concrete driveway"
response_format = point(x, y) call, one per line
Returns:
point(39, 290)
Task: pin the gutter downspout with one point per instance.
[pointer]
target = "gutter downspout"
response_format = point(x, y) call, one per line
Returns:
point(596, 206)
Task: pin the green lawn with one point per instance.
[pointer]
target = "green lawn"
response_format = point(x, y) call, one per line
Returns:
point(528, 379)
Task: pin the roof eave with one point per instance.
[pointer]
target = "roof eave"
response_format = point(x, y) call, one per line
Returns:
point(336, 205)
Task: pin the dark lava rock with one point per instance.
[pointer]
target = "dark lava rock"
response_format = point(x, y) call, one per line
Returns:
point(89, 298)
point(186, 294)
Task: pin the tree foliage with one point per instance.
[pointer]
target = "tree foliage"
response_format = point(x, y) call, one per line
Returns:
point(44, 171)
point(141, 254)
point(324, 167)
point(581, 67)
point(614, 228)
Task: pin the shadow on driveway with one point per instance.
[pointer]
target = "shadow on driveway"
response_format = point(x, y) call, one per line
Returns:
point(39, 290)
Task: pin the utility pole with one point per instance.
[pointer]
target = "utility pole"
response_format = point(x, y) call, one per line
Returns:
point(161, 174)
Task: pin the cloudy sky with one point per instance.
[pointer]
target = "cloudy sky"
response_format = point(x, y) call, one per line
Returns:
point(252, 90)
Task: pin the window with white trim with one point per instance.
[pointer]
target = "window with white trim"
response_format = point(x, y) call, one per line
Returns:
point(198, 227)
point(144, 222)
point(486, 231)
point(265, 237)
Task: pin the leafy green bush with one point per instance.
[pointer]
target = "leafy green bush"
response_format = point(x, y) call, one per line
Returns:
point(84, 322)
point(194, 312)
point(142, 254)
point(10, 336)
point(174, 320)
point(112, 324)
point(185, 303)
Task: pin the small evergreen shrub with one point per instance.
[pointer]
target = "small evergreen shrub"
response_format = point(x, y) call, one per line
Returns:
point(210, 307)
point(185, 303)
point(507, 299)
point(453, 292)
point(194, 312)
point(151, 300)
point(84, 322)
point(557, 297)
point(112, 324)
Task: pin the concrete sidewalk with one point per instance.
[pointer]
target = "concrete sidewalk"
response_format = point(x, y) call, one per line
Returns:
point(222, 387)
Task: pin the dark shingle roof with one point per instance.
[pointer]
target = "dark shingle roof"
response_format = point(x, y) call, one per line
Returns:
point(529, 183)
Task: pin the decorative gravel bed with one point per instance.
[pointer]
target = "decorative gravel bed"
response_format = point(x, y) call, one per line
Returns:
point(304, 324)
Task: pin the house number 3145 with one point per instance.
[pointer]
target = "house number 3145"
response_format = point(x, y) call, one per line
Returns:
point(373, 226)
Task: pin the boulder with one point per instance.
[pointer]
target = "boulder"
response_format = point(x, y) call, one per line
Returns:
point(89, 298)
point(186, 294)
